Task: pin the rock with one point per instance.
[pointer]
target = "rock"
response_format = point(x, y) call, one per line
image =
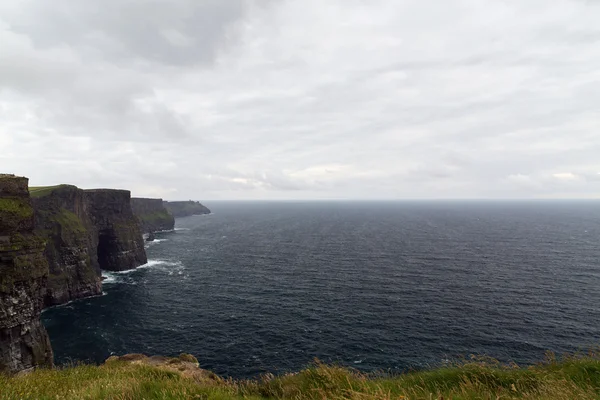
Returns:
point(186, 208)
point(153, 215)
point(120, 245)
point(24, 343)
point(151, 237)
point(86, 231)
point(62, 217)
point(185, 364)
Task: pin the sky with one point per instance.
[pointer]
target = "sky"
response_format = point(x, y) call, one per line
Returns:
point(304, 99)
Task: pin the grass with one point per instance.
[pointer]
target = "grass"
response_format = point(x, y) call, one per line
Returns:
point(41, 191)
point(69, 221)
point(570, 378)
point(157, 216)
point(16, 207)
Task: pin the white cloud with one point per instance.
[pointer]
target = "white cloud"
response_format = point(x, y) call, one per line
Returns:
point(566, 176)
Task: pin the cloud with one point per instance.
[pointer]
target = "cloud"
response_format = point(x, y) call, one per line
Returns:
point(303, 99)
point(566, 176)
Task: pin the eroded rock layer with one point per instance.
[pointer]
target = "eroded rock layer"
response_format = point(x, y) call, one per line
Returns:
point(24, 343)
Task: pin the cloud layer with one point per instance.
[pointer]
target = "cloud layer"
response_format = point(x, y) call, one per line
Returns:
point(298, 99)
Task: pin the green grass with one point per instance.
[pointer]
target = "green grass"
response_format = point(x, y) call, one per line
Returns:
point(16, 207)
point(41, 191)
point(157, 216)
point(569, 378)
point(69, 221)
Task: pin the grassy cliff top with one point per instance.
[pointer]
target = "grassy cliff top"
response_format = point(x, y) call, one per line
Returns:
point(570, 378)
point(41, 191)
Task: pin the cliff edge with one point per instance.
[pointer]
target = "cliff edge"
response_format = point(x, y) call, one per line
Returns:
point(24, 342)
point(186, 208)
point(152, 215)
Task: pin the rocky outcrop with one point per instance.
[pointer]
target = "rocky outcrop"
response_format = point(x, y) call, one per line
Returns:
point(24, 343)
point(62, 217)
point(186, 208)
point(153, 215)
point(186, 365)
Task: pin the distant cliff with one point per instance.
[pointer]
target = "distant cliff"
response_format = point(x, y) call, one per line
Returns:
point(120, 245)
point(23, 273)
point(153, 215)
point(186, 208)
point(85, 231)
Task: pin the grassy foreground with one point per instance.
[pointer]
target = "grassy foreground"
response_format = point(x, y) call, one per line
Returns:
point(569, 378)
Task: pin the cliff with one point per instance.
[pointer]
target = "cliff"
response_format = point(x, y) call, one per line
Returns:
point(153, 215)
point(85, 231)
point(186, 208)
point(24, 343)
point(61, 215)
point(119, 245)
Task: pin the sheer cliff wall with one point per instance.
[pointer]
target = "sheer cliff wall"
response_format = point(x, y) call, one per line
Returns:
point(24, 343)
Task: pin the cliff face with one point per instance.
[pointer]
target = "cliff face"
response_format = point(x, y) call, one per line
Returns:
point(153, 215)
point(186, 208)
point(85, 231)
point(62, 217)
point(119, 243)
point(24, 343)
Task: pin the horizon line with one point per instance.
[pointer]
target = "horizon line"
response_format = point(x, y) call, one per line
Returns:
point(394, 200)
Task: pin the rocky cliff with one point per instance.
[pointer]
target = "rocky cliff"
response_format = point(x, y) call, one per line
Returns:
point(119, 245)
point(153, 215)
point(186, 208)
point(85, 231)
point(24, 343)
point(62, 217)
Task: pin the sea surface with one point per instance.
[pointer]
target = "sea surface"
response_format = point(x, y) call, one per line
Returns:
point(269, 286)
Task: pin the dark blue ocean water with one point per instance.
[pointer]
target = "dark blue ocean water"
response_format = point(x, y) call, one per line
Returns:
point(260, 287)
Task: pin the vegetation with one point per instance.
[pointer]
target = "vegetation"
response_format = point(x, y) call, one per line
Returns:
point(19, 208)
point(569, 378)
point(155, 217)
point(185, 208)
point(41, 191)
point(69, 221)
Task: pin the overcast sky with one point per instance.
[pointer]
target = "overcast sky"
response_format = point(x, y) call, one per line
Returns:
point(304, 99)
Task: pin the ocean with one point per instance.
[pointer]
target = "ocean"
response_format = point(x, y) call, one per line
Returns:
point(262, 287)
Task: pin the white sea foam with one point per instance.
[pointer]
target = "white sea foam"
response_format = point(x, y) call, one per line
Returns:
point(116, 277)
point(155, 241)
point(113, 278)
point(127, 272)
point(108, 277)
